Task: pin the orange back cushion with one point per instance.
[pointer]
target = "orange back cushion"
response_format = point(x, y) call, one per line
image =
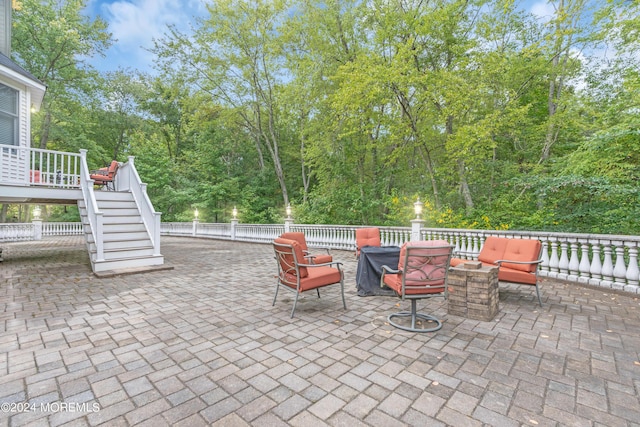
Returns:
point(367, 237)
point(287, 261)
point(298, 237)
point(522, 250)
point(493, 249)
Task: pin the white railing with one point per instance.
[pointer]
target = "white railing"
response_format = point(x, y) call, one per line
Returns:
point(600, 260)
point(607, 261)
point(35, 230)
point(17, 232)
point(62, 228)
point(35, 167)
point(127, 179)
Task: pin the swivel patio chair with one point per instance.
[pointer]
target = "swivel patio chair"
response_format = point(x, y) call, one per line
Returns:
point(421, 273)
point(369, 236)
point(105, 176)
point(298, 276)
point(313, 259)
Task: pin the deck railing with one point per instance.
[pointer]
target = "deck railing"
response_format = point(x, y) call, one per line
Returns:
point(595, 259)
point(25, 231)
point(36, 167)
point(607, 261)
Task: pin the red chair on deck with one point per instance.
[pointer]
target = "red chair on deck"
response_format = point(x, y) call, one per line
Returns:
point(105, 176)
point(422, 273)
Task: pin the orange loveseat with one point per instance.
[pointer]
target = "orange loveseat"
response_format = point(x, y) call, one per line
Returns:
point(517, 259)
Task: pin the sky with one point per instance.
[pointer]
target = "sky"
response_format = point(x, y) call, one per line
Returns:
point(134, 25)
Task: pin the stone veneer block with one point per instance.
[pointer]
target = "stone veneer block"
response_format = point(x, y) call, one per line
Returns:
point(473, 292)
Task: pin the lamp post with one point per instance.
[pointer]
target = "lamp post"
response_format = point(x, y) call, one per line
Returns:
point(37, 223)
point(288, 222)
point(417, 208)
point(234, 222)
point(416, 224)
point(194, 230)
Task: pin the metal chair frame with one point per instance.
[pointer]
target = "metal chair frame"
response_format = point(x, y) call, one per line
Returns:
point(410, 266)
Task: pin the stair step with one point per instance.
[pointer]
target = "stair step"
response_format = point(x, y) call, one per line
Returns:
point(125, 238)
point(113, 195)
point(124, 227)
point(124, 245)
point(127, 263)
point(119, 212)
point(119, 253)
point(117, 204)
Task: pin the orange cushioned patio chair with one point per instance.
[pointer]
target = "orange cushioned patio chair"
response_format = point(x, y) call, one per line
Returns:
point(517, 259)
point(105, 176)
point(313, 259)
point(421, 273)
point(367, 237)
point(298, 276)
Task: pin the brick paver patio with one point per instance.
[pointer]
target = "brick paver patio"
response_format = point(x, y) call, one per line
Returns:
point(202, 345)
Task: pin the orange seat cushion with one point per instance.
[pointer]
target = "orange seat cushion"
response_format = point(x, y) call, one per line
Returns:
point(319, 277)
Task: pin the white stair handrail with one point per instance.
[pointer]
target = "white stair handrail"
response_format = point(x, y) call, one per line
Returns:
point(94, 216)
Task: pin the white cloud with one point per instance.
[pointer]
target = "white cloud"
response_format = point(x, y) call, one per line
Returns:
point(543, 10)
point(135, 23)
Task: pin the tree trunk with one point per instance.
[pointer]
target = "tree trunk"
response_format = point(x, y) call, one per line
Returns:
point(464, 187)
point(44, 134)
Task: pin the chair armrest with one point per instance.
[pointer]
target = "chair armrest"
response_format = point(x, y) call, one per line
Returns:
point(387, 269)
point(326, 248)
point(500, 261)
point(99, 172)
point(325, 264)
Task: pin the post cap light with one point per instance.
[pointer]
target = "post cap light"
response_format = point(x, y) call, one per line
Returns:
point(234, 212)
point(417, 207)
point(195, 213)
point(289, 211)
point(36, 212)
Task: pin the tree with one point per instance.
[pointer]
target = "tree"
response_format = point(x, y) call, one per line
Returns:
point(236, 56)
point(53, 41)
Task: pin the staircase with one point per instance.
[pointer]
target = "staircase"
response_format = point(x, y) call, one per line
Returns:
point(126, 241)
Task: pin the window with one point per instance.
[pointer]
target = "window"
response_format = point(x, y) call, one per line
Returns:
point(8, 115)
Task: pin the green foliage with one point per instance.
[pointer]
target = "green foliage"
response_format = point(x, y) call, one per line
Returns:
point(350, 110)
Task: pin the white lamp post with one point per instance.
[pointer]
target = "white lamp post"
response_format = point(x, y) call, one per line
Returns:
point(194, 230)
point(289, 220)
point(417, 208)
point(416, 224)
point(234, 222)
point(37, 223)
